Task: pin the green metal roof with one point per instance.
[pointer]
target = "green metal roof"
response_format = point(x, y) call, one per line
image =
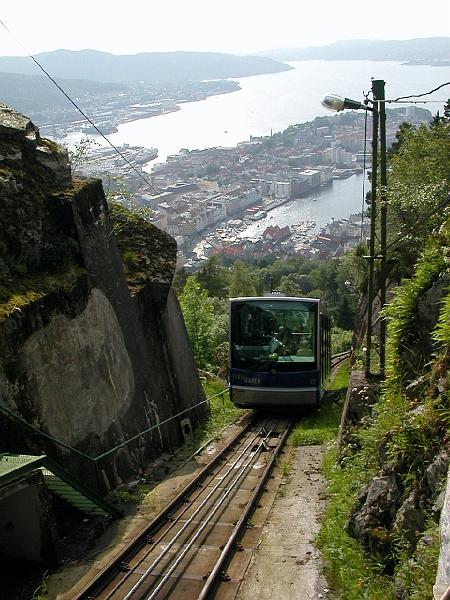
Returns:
point(57, 479)
point(13, 466)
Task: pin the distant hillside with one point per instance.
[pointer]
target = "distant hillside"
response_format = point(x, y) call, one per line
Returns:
point(33, 93)
point(419, 49)
point(148, 66)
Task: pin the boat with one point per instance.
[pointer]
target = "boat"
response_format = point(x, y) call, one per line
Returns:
point(259, 215)
point(147, 155)
point(104, 128)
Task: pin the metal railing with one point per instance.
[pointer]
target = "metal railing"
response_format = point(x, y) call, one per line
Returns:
point(94, 461)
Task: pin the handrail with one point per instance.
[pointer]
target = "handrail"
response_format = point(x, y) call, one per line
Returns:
point(42, 433)
point(95, 459)
point(121, 445)
point(138, 435)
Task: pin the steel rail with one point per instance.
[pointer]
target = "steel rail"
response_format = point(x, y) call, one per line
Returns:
point(200, 530)
point(338, 358)
point(188, 522)
point(107, 573)
point(227, 550)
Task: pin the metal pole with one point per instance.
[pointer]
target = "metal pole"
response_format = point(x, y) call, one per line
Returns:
point(378, 91)
point(371, 256)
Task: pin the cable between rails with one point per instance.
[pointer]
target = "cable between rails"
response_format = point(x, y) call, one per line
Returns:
point(162, 554)
point(197, 534)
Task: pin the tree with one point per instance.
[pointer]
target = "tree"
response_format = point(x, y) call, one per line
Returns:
point(418, 185)
point(402, 132)
point(290, 285)
point(179, 280)
point(199, 317)
point(214, 278)
point(345, 313)
point(242, 280)
point(447, 111)
point(80, 155)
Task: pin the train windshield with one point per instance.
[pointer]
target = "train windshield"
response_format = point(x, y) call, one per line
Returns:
point(277, 334)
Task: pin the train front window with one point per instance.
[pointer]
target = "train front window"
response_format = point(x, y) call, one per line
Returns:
point(274, 334)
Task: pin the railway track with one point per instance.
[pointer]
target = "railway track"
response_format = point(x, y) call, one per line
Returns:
point(336, 359)
point(200, 545)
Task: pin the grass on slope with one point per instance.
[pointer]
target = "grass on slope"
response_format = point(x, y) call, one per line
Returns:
point(322, 425)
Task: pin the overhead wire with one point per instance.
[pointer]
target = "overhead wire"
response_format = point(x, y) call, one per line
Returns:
point(139, 173)
point(421, 95)
point(91, 122)
point(441, 101)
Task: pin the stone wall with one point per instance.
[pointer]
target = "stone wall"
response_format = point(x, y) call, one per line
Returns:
point(88, 354)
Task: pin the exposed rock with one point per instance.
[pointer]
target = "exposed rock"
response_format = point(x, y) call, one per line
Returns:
point(383, 452)
point(361, 396)
point(437, 507)
point(15, 126)
point(85, 354)
point(150, 253)
point(8, 184)
point(436, 472)
point(416, 387)
point(55, 160)
point(11, 155)
point(372, 520)
point(420, 345)
point(32, 171)
point(443, 571)
point(410, 519)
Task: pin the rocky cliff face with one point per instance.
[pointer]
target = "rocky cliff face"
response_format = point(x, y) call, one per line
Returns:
point(90, 353)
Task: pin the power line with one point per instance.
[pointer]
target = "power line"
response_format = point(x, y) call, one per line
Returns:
point(415, 101)
point(421, 95)
point(139, 173)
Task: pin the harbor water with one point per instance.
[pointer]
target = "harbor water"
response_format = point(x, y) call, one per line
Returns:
point(338, 200)
point(273, 102)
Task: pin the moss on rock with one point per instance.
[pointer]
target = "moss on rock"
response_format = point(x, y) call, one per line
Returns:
point(148, 253)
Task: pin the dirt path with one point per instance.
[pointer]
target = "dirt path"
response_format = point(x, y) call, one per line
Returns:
point(286, 564)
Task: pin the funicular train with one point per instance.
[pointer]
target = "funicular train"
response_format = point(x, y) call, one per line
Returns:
point(280, 352)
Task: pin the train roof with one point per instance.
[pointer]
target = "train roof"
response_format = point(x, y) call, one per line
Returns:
point(275, 298)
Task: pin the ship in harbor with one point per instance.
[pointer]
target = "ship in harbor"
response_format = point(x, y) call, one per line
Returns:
point(105, 128)
point(105, 159)
point(258, 215)
point(146, 155)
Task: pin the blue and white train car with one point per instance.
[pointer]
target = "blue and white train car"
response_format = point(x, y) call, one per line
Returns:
point(280, 351)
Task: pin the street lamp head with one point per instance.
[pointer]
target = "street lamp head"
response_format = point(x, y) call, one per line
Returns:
point(337, 103)
point(333, 102)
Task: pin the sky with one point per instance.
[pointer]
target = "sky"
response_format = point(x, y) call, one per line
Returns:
point(235, 26)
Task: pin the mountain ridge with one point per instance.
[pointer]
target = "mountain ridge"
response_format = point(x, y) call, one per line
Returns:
point(105, 67)
point(415, 49)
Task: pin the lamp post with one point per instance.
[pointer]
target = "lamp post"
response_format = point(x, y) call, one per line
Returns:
point(378, 96)
point(377, 109)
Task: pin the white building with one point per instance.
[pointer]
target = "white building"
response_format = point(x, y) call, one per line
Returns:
point(281, 189)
